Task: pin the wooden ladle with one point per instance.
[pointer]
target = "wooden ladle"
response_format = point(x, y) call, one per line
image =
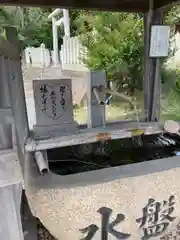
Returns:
point(173, 127)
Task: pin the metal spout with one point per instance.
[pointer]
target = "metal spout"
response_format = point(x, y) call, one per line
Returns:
point(41, 163)
point(97, 95)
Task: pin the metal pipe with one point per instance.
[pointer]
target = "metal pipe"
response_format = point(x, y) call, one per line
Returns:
point(97, 95)
point(110, 97)
point(41, 163)
point(124, 97)
point(121, 95)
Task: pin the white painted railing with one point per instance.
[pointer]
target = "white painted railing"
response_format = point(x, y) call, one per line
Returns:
point(72, 54)
point(38, 57)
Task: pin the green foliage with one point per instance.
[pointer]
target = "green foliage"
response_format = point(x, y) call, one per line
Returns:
point(171, 100)
point(173, 15)
point(74, 15)
point(115, 44)
point(177, 83)
point(172, 107)
point(172, 77)
point(168, 75)
point(32, 24)
point(36, 28)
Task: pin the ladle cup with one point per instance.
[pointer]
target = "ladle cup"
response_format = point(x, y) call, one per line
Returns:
point(172, 127)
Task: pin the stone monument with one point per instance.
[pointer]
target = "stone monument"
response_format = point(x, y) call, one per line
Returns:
point(54, 108)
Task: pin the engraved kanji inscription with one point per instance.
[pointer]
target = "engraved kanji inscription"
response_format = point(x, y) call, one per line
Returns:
point(107, 226)
point(156, 217)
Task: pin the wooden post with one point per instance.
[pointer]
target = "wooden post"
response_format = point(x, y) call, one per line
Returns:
point(17, 96)
point(5, 128)
point(151, 69)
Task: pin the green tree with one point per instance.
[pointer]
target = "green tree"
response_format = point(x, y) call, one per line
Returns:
point(37, 28)
point(115, 44)
point(32, 24)
point(172, 16)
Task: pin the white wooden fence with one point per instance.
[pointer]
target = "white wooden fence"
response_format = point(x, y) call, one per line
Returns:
point(38, 57)
point(71, 55)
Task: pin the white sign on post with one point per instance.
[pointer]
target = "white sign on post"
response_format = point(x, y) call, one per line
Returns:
point(159, 45)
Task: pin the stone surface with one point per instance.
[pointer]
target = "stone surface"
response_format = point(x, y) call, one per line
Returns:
point(10, 220)
point(46, 132)
point(53, 101)
point(110, 202)
point(10, 170)
point(79, 82)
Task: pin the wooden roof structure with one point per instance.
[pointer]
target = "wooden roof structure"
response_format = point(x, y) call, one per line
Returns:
point(108, 5)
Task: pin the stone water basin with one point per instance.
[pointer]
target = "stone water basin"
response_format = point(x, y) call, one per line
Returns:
point(134, 200)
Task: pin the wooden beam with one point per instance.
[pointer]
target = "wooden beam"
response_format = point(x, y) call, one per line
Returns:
point(17, 96)
point(114, 5)
point(151, 70)
point(166, 4)
point(7, 50)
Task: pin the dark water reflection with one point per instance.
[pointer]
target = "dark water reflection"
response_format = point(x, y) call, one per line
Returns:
point(93, 156)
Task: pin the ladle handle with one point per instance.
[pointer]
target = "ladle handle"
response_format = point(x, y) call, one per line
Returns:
point(121, 95)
